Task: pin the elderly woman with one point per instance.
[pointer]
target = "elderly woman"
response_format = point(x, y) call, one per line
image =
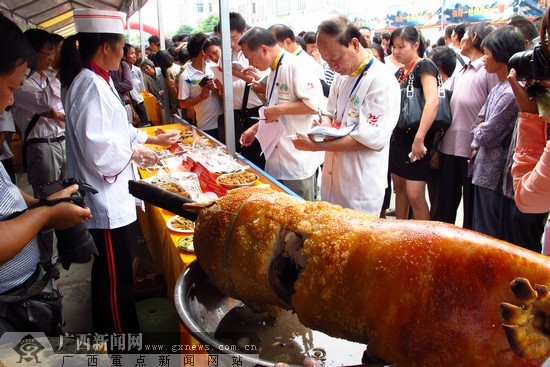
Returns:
point(152, 77)
point(492, 130)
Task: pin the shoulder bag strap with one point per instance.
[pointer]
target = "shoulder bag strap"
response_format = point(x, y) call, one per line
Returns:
point(31, 126)
point(245, 99)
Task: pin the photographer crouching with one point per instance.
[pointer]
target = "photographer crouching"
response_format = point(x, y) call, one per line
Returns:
point(531, 168)
point(29, 299)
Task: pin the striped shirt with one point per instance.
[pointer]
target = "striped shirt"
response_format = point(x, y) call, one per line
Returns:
point(15, 271)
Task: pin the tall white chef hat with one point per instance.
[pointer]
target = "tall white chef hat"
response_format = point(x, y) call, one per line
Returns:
point(99, 21)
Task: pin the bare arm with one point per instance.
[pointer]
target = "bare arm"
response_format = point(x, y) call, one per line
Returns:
point(346, 143)
point(23, 228)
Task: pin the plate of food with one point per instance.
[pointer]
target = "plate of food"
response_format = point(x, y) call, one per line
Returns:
point(186, 244)
point(180, 224)
point(237, 179)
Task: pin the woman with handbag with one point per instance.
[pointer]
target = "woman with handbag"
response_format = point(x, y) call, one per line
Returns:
point(492, 131)
point(409, 161)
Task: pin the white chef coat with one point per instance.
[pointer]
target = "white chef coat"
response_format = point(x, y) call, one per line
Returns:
point(36, 95)
point(357, 179)
point(99, 140)
point(310, 62)
point(207, 110)
point(6, 125)
point(295, 82)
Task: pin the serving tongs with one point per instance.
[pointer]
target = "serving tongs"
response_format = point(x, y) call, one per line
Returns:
point(164, 199)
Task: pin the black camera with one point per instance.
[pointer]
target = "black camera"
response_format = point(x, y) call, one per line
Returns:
point(73, 244)
point(531, 64)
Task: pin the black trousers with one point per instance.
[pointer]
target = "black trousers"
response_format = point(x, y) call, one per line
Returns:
point(519, 228)
point(454, 185)
point(486, 212)
point(113, 308)
point(142, 113)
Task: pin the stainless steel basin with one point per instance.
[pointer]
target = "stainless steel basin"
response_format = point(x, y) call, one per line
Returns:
point(201, 308)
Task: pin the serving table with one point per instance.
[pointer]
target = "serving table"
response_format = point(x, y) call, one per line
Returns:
point(163, 242)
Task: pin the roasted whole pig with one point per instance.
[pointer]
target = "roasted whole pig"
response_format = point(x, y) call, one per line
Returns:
point(417, 293)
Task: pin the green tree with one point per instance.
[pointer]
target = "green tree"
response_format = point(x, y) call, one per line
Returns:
point(207, 24)
point(184, 29)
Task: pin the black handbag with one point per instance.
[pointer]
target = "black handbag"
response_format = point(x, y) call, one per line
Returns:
point(35, 306)
point(412, 106)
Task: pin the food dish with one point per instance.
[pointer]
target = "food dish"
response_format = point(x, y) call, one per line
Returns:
point(180, 224)
point(186, 244)
point(185, 184)
point(424, 294)
point(237, 179)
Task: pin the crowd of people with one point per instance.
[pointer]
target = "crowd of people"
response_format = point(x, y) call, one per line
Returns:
point(77, 109)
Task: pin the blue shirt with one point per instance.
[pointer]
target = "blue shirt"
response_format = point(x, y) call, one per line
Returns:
point(493, 138)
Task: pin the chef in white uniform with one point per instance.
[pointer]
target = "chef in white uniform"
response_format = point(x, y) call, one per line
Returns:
point(294, 95)
point(101, 146)
point(364, 95)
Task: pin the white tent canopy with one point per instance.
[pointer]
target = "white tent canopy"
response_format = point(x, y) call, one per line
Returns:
point(56, 16)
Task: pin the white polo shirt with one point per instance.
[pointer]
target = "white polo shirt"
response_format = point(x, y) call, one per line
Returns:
point(295, 81)
point(208, 110)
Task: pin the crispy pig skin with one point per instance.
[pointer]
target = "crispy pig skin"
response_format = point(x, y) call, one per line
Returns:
point(418, 293)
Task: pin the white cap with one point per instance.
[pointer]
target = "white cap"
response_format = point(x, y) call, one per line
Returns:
point(99, 21)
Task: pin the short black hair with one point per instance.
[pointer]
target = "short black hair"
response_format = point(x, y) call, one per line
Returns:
point(256, 37)
point(164, 60)
point(481, 30)
point(377, 40)
point(38, 38)
point(126, 48)
point(310, 37)
point(16, 46)
point(194, 45)
point(301, 42)
point(154, 40)
point(57, 38)
point(503, 42)
point(210, 41)
point(444, 57)
point(172, 51)
point(460, 29)
point(440, 41)
point(411, 35)
point(282, 32)
point(449, 30)
point(236, 23)
point(183, 55)
point(525, 26)
point(379, 49)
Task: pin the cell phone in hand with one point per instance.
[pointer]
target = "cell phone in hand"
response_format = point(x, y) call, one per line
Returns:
point(204, 80)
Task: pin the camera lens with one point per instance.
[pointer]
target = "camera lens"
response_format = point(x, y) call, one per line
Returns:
point(75, 245)
point(522, 63)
